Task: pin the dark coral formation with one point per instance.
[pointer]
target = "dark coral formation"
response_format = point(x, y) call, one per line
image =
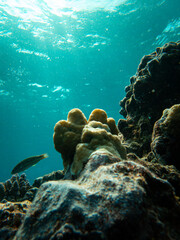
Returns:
point(112, 199)
point(11, 216)
point(154, 88)
point(166, 137)
point(17, 188)
point(56, 175)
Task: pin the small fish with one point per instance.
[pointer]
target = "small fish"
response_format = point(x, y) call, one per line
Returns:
point(28, 162)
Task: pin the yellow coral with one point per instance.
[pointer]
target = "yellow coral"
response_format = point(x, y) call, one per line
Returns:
point(98, 115)
point(76, 117)
point(76, 139)
point(67, 134)
point(112, 125)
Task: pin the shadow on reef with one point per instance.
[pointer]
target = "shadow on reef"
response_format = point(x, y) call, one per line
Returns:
point(117, 183)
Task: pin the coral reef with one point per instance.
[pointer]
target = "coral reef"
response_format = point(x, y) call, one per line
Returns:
point(17, 188)
point(166, 172)
point(56, 175)
point(76, 139)
point(166, 137)
point(111, 199)
point(11, 216)
point(104, 192)
point(154, 88)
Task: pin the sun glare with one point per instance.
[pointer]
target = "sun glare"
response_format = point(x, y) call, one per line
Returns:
point(58, 3)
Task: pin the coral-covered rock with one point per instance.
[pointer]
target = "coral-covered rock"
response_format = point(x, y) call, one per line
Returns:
point(56, 175)
point(166, 172)
point(154, 88)
point(166, 137)
point(111, 199)
point(11, 216)
point(76, 139)
point(17, 188)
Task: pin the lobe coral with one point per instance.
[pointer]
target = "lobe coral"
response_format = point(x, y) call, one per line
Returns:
point(77, 138)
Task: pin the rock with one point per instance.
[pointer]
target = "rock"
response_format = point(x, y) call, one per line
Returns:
point(111, 199)
point(56, 175)
point(166, 137)
point(11, 216)
point(154, 88)
point(166, 172)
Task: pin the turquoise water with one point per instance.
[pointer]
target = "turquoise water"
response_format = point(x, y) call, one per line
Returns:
point(56, 55)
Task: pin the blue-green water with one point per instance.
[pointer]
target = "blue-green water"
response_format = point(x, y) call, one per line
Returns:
point(56, 55)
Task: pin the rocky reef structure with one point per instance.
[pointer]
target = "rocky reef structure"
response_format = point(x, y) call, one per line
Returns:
point(154, 88)
point(111, 199)
point(76, 139)
point(111, 192)
point(16, 196)
point(18, 188)
point(56, 175)
point(11, 216)
point(167, 172)
point(166, 137)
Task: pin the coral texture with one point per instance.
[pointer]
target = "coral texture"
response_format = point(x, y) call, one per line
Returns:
point(17, 188)
point(11, 216)
point(166, 172)
point(111, 199)
point(76, 139)
point(154, 88)
point(166, 137)
point(56, 175)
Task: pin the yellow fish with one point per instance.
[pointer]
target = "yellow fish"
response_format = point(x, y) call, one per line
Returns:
point(28, 162)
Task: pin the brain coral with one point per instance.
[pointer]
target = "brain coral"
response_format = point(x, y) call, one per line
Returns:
point(76, 138)
point(166, 137)
point(154, 88)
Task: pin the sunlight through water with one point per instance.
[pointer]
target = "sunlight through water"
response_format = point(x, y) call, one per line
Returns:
point(56, 55)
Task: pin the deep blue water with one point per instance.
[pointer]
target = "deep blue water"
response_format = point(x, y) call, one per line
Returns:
point(56, 55)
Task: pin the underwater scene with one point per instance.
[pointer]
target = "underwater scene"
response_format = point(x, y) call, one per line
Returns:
point(89, 119)
point(59, 55)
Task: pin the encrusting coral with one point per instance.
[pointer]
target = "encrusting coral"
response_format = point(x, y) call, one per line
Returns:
point(76, 139)
point(166, 137)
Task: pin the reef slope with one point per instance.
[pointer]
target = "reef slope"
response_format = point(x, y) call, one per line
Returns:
point(111, 199)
